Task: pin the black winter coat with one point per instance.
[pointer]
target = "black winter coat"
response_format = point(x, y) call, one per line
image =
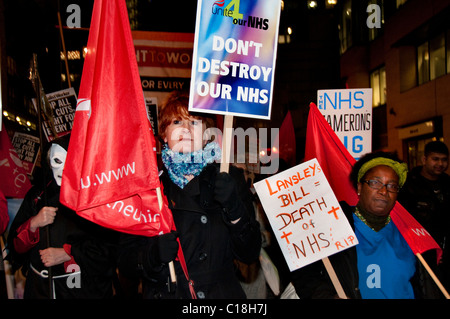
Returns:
point(429, 203)
point(209, 242)
point(93, 248)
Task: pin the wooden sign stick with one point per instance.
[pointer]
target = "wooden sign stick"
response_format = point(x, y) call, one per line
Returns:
point(436, 280)
point(334, 279)
point(226, 143)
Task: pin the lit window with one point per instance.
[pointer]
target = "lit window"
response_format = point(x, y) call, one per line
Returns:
point(345, 27)
point(448, 51)
point(431, 59)
point(423, 63)
point(378, 85)
point(437, 57)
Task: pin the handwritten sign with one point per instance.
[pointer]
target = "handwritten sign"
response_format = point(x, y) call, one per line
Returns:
point(349, 113)
point(234, 57)
point(305, 215)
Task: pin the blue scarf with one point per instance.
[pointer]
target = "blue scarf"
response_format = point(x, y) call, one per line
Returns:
point(181, 164)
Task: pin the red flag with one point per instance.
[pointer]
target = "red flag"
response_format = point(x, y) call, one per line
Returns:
point(14, 180)
point(4, 217)
point(111, 175)
point(336, 162)
point(287, 146)
point(415, 235)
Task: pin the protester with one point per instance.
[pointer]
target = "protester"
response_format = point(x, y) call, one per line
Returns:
point(47, 240)
point(381, 266)
point(426, 196)
point(212, 211)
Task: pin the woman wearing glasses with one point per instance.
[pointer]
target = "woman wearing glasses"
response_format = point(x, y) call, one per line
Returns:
point(381, 266)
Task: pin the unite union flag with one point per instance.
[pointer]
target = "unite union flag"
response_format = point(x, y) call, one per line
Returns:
point(111, 175)
point(336, 162)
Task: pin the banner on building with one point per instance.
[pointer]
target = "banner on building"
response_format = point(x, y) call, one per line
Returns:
point(164, 61)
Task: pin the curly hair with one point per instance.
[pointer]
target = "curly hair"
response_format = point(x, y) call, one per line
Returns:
point(176, 106)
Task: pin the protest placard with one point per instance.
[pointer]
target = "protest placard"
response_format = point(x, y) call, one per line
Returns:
point(305, 215)
point(63, 104)
point(152, 112)
point(349, 113)
point(27, 149)
point(234, 57)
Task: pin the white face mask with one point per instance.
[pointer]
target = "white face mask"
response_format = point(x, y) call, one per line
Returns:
point(57, 160)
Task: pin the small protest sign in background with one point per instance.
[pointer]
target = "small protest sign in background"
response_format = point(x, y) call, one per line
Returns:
point(349, 113)
point(27, 148)
point(305, 215)
point(63, 104)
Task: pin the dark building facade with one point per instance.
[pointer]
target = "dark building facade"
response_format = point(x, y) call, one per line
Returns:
point(406, 61)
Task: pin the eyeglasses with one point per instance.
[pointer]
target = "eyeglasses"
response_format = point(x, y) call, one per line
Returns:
point(373, 183)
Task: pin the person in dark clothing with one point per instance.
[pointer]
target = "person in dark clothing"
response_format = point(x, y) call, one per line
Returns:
point(51, 242)
point(381, 265)
point(426, 196)
point(212, 211)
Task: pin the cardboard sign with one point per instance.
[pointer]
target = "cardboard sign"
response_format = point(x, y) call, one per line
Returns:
point(234, 57)
point(349, 113)
point(305, 215)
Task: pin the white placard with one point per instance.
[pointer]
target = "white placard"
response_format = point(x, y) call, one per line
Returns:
point(305, 215)
point(349, 113)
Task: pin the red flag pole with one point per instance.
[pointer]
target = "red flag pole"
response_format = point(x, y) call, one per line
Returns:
point(64, 50)
point(436, 280)
point(173, 276)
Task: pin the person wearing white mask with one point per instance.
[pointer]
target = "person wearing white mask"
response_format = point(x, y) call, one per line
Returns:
point(45, 235)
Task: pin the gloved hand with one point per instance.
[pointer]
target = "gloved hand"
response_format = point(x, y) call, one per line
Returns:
point(226, 193)
point(167, 247)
